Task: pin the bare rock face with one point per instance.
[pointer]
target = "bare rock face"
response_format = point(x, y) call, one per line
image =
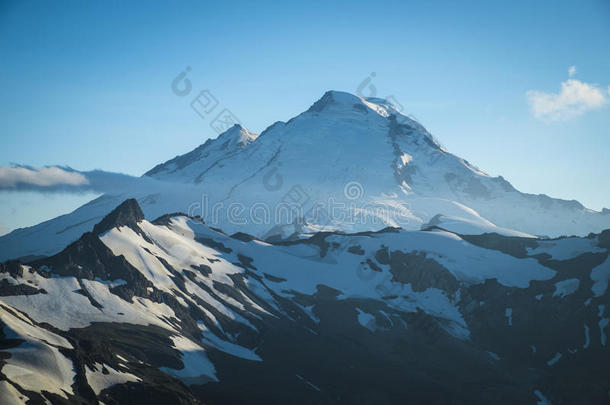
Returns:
point(604, 239)
point(418, 270)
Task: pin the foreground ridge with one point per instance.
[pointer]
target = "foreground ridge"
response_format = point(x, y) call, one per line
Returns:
point(175, 311)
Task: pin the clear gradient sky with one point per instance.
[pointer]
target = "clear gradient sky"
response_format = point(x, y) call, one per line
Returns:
point(88, 84)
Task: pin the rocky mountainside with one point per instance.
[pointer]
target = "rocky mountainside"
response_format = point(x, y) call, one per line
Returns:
point(175, 311)
point(346, 164)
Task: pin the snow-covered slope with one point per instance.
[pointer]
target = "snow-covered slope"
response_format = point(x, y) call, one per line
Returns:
point(193, 165)
point(175, 311)
point(465, 226)
point(347, 163)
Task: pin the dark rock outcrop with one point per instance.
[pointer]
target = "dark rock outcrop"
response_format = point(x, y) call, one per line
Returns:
point(604, 239)
point(128, 214)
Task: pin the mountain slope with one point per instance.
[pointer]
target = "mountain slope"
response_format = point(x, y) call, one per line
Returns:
point(174, 311)
point(347, 163)
point(194, 164)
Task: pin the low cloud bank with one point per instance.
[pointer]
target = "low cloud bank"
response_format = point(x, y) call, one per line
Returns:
point(58, 179)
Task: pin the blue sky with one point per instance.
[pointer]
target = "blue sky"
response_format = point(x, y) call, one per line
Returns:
point(88, 84)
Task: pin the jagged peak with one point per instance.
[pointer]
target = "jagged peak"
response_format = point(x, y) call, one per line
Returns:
point(128, 213)
point(237, 134)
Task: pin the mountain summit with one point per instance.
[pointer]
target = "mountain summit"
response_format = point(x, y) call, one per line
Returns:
point(128, 213)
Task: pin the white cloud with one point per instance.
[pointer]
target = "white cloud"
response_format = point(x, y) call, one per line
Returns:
point(574, 99)
point(16, 177)
point(572, 71)
point(57, 179)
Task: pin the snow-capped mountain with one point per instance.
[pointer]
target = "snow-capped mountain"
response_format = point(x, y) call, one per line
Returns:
point(174, 311)
point(347, 163)
point(345, 139)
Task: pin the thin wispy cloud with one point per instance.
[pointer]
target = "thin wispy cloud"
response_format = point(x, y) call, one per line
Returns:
point(574, 99)
point(572, 71)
